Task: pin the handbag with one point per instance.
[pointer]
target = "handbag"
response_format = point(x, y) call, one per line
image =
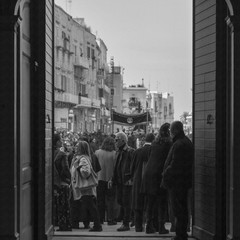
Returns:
point(89, 182)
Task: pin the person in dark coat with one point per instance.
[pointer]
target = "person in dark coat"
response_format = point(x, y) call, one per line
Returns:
point(140, 158)
point(62, 179)
point(122, 178)
point(177, 177)
point(152, 177)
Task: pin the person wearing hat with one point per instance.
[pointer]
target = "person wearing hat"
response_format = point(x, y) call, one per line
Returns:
point(177, 177)
point(140, 158)
point(156, 196)
point(122, 177)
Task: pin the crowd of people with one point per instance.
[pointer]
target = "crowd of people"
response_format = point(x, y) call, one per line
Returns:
point(142, 181)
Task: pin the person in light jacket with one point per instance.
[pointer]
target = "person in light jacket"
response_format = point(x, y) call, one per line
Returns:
point(105, 195)
point(81, 164)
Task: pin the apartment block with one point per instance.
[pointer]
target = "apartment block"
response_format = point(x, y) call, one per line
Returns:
point(80, 76)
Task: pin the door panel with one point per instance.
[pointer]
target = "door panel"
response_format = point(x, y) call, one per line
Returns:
point(24, 109)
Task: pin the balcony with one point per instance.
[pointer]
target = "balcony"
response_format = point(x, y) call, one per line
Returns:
point(59, 43)
point(66, 97)
point(84, 102)
point(96, 103)
point(81, 62)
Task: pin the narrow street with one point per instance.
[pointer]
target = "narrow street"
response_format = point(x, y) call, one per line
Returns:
point(109, 232)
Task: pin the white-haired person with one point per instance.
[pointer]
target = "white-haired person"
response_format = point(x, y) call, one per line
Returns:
point(122, 178)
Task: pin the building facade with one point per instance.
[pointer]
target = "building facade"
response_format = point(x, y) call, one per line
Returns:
point(80, 76)
point(134, 99)
point(115, 81)
point(161, 108)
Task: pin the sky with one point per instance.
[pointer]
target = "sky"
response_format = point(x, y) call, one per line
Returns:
point(150, 39)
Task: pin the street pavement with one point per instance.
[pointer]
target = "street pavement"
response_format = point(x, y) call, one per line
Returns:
point(109, 233)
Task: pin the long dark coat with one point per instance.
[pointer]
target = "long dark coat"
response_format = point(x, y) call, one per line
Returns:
point(122, 175)
point(152, 176)
point(177, 172)
point(140, 158)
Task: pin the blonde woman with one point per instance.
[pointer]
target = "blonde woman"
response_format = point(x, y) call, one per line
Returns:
point(82, 164)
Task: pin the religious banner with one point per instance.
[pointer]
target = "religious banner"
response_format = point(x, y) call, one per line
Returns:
point(131, 119)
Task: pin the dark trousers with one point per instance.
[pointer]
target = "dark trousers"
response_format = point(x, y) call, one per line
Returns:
point(138, 219)
point(179, 204)
point(156, 209)
point(75, 211)
point(62, 207)
point(89, 205)
point(124, 194)
point(106, 201)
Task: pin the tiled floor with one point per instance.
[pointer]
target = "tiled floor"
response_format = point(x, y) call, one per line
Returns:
point(110, 232)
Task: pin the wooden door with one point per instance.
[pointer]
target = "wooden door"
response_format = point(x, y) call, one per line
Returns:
point(25, 180)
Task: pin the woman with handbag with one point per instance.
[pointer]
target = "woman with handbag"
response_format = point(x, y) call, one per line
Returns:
point(84, 182)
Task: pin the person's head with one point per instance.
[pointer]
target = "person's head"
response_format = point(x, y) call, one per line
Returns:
point(176, 128)
point(164, 130)
point(149, 138)
point(57, 141)
point(82, 148)
point(121, 139)
point(108, 144)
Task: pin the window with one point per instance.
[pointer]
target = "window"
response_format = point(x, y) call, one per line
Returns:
point(83, 89)
point(88, 52)
point(170, 108)
point(57, 55)
point(81, 52)
point(165, 111)
point(156, 107)
point(63, 83)
point(77, 72)
point(63, 120)
point(93, 54)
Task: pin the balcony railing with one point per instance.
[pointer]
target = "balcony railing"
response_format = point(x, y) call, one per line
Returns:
point(59, 43)
point(96, 103)
point(81, 62)
point(66, 97)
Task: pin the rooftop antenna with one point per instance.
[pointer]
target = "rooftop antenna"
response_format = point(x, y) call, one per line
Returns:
point(143, 82)
point(70, 6)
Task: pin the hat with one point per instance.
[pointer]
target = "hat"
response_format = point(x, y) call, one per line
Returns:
point(165, 130)
point(122, 135)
